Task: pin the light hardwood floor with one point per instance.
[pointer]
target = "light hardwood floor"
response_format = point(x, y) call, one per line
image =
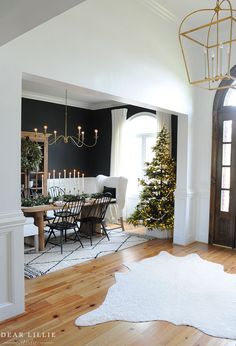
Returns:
point(55, 300)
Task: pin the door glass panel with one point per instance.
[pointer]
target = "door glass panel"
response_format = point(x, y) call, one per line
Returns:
point(226, 161)
point(227, 131)
point(224, 205)
point(225, 182)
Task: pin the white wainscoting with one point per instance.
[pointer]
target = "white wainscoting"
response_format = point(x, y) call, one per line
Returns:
point(73, 185)
point(11, 268)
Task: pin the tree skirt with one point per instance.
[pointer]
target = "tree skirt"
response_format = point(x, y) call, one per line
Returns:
point(182, 290)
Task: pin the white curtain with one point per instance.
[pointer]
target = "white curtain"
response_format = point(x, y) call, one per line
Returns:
point(164, 119)
point(117, 143)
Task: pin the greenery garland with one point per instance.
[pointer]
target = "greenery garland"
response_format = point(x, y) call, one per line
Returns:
point(31, 155)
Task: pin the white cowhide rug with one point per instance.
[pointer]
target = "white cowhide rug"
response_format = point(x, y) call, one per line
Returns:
point(182, 290)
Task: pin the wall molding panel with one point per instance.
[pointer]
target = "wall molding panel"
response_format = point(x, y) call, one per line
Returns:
point(11, 269)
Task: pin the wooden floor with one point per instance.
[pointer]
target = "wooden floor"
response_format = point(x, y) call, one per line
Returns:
point(54, 301)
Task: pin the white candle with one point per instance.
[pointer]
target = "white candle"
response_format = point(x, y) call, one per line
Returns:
point(83, 182)
point(59, 176)
point(78, 181)
point(74, 182)
point(70, 182)
point(49, 175)
point(53, 176)
point(65, 180)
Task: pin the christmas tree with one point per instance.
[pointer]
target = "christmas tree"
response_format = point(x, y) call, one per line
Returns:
point(156, 207)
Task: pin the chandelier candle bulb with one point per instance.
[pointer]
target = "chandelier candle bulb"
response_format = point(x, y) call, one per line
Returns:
point(82, 136)
point(221, 60)
point(96, 134)
point(45, 129)
point(36, 132)
point(213, 66)
point(55, 135)
point(49, 175)
point(79, 133)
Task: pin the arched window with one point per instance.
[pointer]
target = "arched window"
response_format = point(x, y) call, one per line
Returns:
point(230, 97)
point(140, 133)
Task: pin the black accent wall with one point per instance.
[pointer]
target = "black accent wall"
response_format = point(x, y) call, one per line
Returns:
point(90, 161)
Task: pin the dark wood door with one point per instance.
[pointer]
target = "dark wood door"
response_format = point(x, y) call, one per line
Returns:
point(224, 229)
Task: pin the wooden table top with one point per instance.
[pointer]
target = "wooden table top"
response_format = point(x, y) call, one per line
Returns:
point(38, 208)
point(46, 207)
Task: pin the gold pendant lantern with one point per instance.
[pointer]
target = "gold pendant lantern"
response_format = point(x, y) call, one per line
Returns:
point(209, 48)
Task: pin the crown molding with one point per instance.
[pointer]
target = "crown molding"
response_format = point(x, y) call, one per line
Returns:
point(103, 105)
point(54, 99)
point(160, 10)
point(73, 103)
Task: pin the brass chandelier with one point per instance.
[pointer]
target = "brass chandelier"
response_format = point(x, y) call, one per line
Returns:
point(208, 49)
point(78, 141)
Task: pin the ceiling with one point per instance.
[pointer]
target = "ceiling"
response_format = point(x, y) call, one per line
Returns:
point(20, 16)
point(48, 90)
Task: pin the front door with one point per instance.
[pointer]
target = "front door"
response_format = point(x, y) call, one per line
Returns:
point(224, 225)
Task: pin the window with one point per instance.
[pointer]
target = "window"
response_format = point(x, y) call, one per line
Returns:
point(230, 97)
point(140, 133)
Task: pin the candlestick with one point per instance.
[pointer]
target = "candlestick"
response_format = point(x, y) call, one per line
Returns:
point(74, 182)
point(59, 176)
point(65, 179)
point(70, 182)
point(53, 177)
point(96, 134)
point(45, 129)
point(78, 181)
point(83, 182)
point(49, 175)
point(55, 135)
point(82, 136)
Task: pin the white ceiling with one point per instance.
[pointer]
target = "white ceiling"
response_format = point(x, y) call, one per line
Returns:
point(20, 16)
point(48, 90)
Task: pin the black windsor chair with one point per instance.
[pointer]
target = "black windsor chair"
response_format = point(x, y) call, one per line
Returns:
point(66, 219)
point(95, 214)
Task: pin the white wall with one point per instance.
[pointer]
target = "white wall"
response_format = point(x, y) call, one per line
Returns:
point(117, 47)
point(201, 164)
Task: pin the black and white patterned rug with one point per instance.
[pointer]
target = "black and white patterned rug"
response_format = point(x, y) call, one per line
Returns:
point(51, 259)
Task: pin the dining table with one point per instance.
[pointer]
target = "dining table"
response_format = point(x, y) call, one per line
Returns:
point(38, 213)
